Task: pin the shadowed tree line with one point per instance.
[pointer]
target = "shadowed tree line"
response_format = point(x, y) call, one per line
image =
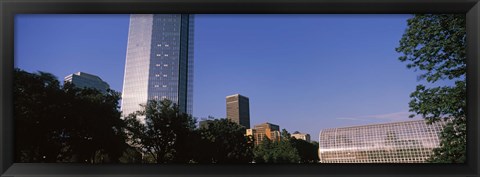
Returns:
point(55, 123)
point(287, 150)
point(61, 123)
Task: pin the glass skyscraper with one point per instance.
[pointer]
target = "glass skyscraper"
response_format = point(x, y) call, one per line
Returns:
point(159, 62)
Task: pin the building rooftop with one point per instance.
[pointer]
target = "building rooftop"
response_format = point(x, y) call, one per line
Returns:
point(235, 95)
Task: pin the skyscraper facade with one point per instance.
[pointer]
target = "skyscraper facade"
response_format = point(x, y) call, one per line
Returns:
point(159, 62)
point(85, 80)
point(238, 109)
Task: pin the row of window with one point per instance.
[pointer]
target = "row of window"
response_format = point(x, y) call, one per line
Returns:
point(160, 45)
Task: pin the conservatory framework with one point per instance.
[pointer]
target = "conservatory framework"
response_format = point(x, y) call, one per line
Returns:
point(398, 142)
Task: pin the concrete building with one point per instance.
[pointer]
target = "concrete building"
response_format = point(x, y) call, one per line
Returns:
point(85, 80)
point(268, 130)
point(301, 136)
point(159, 61)
point(398, 142)
point(238, 109)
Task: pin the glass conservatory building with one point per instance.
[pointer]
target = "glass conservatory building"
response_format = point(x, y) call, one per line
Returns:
point(398, 142)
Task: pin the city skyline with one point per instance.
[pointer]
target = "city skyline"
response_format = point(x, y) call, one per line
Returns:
point(302, 72)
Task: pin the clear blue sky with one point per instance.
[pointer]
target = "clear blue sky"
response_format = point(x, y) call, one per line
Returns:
point(302, 72)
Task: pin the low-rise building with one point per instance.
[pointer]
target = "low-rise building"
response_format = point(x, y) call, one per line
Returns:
point(301, 136)
point(265, 130)
point(398, 142)
point(85, 80)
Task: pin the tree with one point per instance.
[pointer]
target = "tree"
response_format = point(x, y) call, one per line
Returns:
point(55, 123)
point(37, 120)
point(282, 151)
point(164, 133)
point(94, 125)
point(308, 152)
point(285, 135)
point(436, 44)
point(131, 155)
point(224, 141)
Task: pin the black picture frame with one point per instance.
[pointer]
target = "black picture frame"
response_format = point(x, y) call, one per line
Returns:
point(9, 8)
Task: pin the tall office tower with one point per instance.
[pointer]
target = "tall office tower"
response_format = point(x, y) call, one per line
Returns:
point(159, 62)
point(238, 109)
point(85, 80)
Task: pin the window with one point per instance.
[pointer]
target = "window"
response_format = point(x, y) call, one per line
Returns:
point(166, 55)
point(157, 65)
point(165, 65)
point(158, 55)
point(156, 85)
point(164, 86)
point(159, 45)
point(164, 75)
point(157, 75)
point(166, 45)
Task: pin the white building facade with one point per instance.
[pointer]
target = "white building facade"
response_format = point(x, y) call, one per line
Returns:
point(301, 136)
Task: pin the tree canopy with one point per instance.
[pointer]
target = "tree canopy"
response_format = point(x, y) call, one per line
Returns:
point(281, 151)
point(63, 123)
point(224, 141)
point(55, 123)
point(163, 133)
point(436, 45)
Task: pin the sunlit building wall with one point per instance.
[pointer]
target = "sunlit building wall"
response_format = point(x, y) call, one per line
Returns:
point(301, 136)
point(399, 142)
point(265, 130)
point(159, 61)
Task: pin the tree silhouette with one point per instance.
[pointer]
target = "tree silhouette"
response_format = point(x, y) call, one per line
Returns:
point(55, 123)
point(165, 131)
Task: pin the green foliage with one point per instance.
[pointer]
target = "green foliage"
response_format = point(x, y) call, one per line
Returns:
point(65, 124)
point(438, 102)
point(165, 132)
point(436, 44)
point(308, 152)
point(284, 135)
point(224, 142)
point(282, 151)
point(131, 155)
point(453, 144)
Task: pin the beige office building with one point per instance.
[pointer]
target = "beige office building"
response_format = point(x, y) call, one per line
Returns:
point(268, 130)
point(301, 136)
